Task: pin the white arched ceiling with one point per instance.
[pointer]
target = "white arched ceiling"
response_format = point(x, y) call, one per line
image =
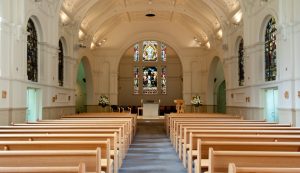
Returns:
point(201, 18)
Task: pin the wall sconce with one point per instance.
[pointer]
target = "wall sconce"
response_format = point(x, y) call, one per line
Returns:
point(286, 94)
point(299, 94)
point(4, 94)
point(247, 99)
point(232, 95)
point(54, 98)
point(69, 98)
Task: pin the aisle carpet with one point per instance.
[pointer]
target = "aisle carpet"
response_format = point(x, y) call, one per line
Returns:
point(151, 152)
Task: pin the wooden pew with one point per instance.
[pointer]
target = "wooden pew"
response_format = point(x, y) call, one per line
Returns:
point(125, 134)
point(179, 134)
point(50, 169)
point(203, 116)
point(69, 137)
point(219, 160)
point(45, 158)
point(107, 160)
point(205, 122)
point(194, 135)
point(122, 144)
point(233, 169)
point(201, 154)
point(170, 119)
point(95, 116)
point(129, 127)
point(191, 140)
point(183, 138)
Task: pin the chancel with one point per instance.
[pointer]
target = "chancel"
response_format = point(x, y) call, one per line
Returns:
point(171, 86)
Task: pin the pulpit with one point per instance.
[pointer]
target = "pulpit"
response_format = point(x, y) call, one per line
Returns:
point(150, 109)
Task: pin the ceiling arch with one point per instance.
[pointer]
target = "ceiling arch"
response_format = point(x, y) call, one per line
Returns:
point(201, 18)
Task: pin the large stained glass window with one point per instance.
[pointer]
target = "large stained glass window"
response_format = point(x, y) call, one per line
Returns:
point(163, 52)
point(163, 80)
point(149, 80)
point(150, 72)
point(60, 64)
point(150, 51)
point(136, 80)
point(32, 52)
point(241, 63)
point(270, 51)
point(136, 54)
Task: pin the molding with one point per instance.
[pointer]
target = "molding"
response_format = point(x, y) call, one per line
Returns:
point(244, 107)
point(11, 109)
point(263, 85)
point(36, 84)
point(251, 46)
point(54, 107)
point(46, 44)
point(288, 109)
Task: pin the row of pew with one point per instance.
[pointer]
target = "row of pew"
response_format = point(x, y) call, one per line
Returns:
point(92, 142)
point(219, 143)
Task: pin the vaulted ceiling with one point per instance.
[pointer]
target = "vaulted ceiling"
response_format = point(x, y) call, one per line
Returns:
point(192, 23)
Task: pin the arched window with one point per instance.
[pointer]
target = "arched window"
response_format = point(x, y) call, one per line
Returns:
point(241, 63)
point(32, 52)
point(151, 68)
point(270, 51)
point(60, 64)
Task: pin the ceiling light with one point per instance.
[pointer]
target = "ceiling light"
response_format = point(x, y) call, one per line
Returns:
point(150, 14)
point(207, 45)
point(80, 34)
point(92, 45)
point(220, 34)
point(237, 17)
point(64, 17)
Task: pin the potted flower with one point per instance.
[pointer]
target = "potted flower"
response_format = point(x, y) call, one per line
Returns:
point(196, 101)
point(103, 101)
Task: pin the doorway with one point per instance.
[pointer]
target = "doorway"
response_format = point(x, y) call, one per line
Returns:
point(271, 104)
point(221, 98)
point(81, 95)
point(33, 112)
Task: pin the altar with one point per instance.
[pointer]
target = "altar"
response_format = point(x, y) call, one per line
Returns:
point(150, 109)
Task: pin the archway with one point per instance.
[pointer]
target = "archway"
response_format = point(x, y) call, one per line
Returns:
point(158, 79)
point(84, 89)
point(216, 87)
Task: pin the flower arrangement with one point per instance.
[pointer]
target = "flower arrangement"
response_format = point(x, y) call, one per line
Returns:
point(196, 101)
point(103, 101)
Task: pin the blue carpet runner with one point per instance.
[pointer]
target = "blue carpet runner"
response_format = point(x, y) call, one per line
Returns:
point(151, 152)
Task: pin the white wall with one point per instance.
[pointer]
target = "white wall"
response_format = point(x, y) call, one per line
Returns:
point(13, 64)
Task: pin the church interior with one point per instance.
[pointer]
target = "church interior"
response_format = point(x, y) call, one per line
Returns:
point(197, 86)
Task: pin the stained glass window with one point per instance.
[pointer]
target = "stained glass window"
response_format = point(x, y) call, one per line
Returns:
point(32, 52)
point(136, 80)
point(150, 80)
point(60, 64)
point(270, 51)
point(163, 52)
point(150, 72)
point(150, 52)
point(136, 55)
point(241, 63)
point(164, 80)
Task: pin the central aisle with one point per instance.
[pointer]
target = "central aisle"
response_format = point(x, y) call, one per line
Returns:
point(151, 152)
